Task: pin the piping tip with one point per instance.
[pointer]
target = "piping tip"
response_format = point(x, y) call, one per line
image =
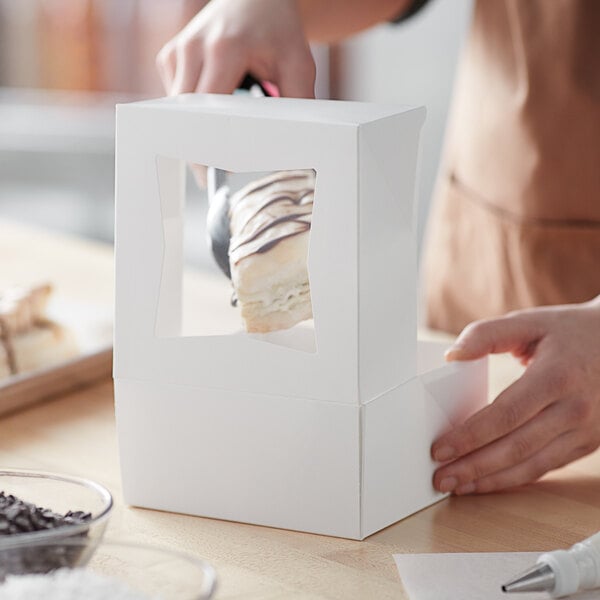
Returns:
point(539, 578)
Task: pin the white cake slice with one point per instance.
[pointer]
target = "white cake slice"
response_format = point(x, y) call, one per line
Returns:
point(270, 221)
point(28, 340)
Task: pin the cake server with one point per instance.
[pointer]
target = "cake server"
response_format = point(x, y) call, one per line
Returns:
point(217, 219)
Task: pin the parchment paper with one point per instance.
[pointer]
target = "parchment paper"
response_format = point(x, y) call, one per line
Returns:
point(470, 576)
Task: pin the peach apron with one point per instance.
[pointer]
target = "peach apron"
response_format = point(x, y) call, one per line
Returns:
point(516, 219)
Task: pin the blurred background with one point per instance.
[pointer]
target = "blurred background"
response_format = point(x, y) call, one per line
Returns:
point(65, 63)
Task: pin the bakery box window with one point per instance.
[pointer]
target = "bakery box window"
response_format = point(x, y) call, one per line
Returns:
point(252, 231)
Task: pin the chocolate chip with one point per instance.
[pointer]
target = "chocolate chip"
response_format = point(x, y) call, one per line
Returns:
point(17, 517)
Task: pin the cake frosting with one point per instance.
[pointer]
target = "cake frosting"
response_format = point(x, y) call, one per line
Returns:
point(270, 222)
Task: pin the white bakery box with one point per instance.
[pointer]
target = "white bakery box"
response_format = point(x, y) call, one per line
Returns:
point(333, 441)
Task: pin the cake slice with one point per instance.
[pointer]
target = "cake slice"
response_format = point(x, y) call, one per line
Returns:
point(28, 340)
point(270, 221)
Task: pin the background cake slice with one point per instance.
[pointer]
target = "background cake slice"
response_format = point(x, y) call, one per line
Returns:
point(28, 339)
point(270, 221)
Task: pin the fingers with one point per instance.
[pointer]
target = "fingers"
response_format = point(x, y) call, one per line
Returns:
point(228, 39)
point(188, 68)
point(561, 451)
point(296, 77)
point(222, 73)
point(508, 451)
point(179, 66)
point(512, 333)
point(225, 66)
point(166, 64)
point(546, 419)
point(219, 69)
point(516, 405)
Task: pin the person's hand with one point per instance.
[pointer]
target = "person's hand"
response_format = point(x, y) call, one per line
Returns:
point(230, 38)
point(549, 417)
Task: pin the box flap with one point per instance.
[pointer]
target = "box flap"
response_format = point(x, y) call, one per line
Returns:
point(398, 430)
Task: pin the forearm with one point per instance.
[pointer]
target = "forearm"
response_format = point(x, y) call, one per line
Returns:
point(334, 20)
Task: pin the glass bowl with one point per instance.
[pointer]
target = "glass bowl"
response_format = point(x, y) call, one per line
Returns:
point(59, 493)
point(125, 570)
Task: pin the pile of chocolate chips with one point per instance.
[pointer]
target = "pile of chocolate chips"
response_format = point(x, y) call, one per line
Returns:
point(17, 516)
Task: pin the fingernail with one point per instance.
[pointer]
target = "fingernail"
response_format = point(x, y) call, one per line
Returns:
point(467, 488)
point(448, 484)
point(444, 454)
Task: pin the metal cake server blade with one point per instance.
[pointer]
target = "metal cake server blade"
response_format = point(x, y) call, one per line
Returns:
point(217, 220)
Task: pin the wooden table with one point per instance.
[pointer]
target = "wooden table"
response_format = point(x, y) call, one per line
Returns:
point(76, 434)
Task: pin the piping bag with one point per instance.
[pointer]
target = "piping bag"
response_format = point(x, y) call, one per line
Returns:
point(217, 220)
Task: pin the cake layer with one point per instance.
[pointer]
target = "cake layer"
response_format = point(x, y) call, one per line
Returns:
point(270, 222)
point(40, 347)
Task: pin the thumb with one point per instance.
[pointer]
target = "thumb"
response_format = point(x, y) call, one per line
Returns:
point(511, 333)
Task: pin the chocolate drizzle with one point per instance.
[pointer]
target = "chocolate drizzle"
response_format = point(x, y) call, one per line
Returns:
point(269, 181)
point(295, 218)
point(268, 245)
point(283, 198)
point(260, 221)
